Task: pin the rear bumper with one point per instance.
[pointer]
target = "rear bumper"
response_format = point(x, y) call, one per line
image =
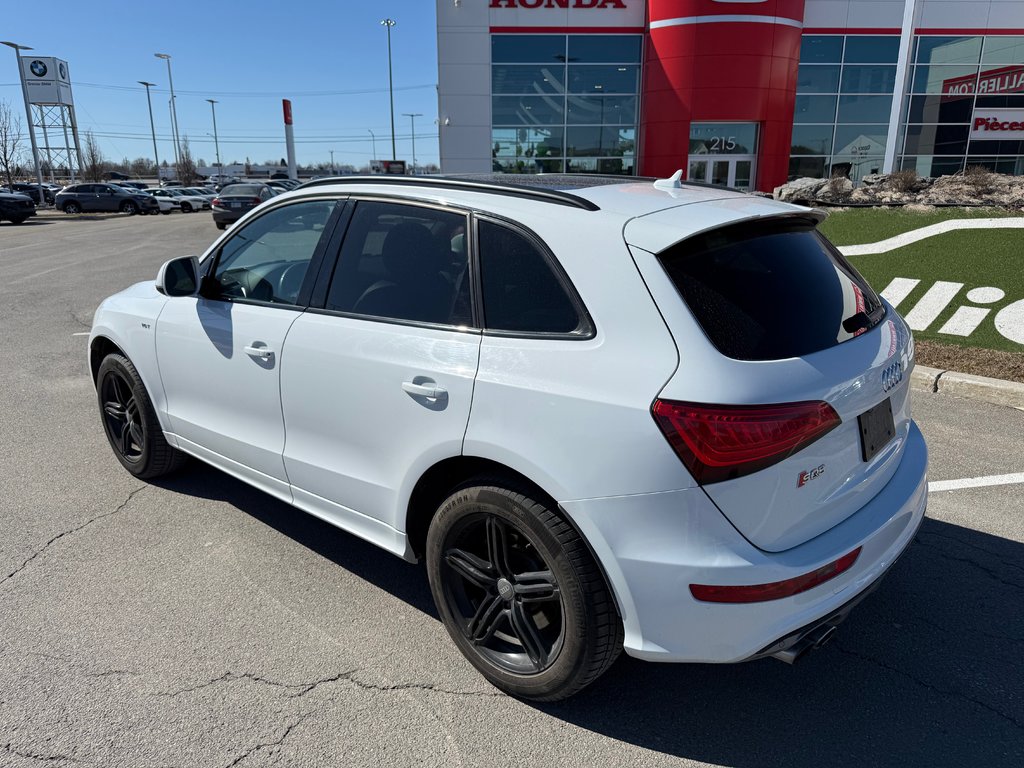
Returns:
point(221, 216)
point(653, 546)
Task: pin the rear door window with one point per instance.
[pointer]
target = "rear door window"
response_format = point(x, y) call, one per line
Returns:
point(771, 290)
point(404, 262)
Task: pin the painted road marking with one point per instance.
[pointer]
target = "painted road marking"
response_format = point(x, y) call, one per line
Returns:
point(964, 321)
point(82, 333)
point(975, 482)
point(892, 243)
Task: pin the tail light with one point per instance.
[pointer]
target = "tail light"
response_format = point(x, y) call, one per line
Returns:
point(256, 201)
point(722, 442)
point(217, 202)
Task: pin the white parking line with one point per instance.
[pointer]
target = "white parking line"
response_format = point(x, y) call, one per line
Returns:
point(975, 482)
point(82, 333)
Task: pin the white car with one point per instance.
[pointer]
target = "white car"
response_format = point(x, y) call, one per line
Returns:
point(188, 202)
point(167, 204)
point(608, 415)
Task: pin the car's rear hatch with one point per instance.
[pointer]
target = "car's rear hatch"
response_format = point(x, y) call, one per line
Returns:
point(757, 309)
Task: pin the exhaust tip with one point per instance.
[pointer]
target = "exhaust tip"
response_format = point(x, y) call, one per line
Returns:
point(812, 640)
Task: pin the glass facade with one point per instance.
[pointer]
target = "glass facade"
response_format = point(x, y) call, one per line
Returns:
point(951, 78)
point(565, 103)
point(845, 89)
point(844, 95)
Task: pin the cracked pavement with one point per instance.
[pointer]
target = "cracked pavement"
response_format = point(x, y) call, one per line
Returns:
point(198, 622)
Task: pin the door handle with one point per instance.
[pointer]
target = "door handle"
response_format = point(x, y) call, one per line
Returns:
point(263, 353)
point(429, 389)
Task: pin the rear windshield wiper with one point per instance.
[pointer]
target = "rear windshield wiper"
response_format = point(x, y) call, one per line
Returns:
point(863, 320)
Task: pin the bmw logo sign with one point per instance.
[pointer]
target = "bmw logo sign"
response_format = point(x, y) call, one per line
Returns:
point(63, 71)
point(38, 68)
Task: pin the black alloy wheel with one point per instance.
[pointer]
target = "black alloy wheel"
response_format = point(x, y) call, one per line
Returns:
point(130, 207)
point(130, 423)
point(505, 594)
point(121, 417)
point(520, 593)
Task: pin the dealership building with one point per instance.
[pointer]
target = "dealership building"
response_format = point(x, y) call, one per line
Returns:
point(747, 93)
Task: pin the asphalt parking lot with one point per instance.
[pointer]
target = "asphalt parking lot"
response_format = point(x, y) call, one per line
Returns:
point(198, 622)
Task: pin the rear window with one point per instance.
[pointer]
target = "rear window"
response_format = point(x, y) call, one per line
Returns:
point(249, 190)
point(770, 290)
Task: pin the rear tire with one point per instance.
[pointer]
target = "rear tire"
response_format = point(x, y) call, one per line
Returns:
point(186, 208)
point(130, 422)
point(520, 593)
point(220, 225)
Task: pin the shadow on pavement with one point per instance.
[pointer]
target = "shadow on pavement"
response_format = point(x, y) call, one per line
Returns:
point(926, 672)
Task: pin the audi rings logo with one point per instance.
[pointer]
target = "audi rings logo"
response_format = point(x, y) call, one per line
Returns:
point(38, 68)
point(892, 376)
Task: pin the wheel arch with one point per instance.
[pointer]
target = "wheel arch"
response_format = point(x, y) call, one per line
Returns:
point(99, 348)
point(437, 483)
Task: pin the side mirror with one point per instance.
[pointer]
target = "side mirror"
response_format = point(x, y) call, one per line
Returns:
point(179, 277)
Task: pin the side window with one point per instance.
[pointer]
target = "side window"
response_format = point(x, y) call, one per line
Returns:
point(520, 292)
point(403, 262)
point(268, 258)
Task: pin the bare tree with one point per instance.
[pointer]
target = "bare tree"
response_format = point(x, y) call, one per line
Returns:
point(186, 164)
point(142, 166)
point(93, 163)
point(10, 141)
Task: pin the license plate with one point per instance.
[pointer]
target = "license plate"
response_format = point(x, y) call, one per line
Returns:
point(236, 205)
point(876, 429)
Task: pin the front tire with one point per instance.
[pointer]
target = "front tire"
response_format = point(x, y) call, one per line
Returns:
point(129, 207)
point(520, 593)
point(130, 421)
point(72, 207)
point(186, 208)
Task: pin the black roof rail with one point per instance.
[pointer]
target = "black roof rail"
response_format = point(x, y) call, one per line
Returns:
point(469, 185)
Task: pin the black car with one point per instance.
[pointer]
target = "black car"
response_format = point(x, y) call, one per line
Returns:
point(104, 197)
point(32, 190)
point(16, 207)
point(236, 200)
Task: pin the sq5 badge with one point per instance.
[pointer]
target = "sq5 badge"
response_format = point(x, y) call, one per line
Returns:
point(810, 474)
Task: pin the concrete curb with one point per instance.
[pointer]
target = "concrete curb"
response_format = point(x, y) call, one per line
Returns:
point(938, 381)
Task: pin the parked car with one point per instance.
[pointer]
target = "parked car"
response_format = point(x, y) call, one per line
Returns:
point(236, 200)
point(167, 204)
point(282, 185)
point(103, 197)
point(644, 415)
point(140, 185)
point(188, 202)
point(33, 191)
point(206, 194)
point(15, 207)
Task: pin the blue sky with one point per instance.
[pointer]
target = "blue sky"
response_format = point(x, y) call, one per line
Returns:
point(328, 56)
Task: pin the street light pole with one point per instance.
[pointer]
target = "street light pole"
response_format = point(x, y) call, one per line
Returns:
point(389, 23)
point(28, 113)
point(412, 117)
point(152, 127)
point(216, 141)
point(332, 163)
point(174, 113)
point(373, 139)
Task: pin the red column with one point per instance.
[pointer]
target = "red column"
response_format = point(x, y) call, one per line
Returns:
point(739, 69)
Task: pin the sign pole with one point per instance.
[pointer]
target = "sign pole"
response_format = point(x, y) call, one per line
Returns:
point(289, 138)
point(28, 113)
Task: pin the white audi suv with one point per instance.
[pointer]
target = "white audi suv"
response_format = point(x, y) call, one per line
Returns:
point(607, 413)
